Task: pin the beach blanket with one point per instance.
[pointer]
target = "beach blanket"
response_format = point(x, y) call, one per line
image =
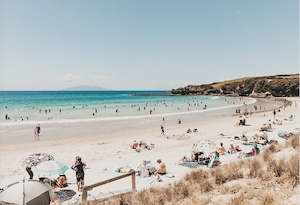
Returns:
point(5, 203)
point(189, 164)
point(65, 195)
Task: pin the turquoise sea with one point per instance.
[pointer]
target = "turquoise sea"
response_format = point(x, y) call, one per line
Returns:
point(22, 106)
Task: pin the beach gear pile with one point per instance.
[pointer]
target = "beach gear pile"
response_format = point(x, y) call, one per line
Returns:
point(36, 158)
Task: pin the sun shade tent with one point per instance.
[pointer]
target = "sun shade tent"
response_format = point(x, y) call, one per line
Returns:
point(50, 168)
point(205, 146)
point(27, 192)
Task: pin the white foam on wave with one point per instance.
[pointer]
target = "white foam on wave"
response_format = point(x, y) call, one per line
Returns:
point(215, 97)
point(250, 101)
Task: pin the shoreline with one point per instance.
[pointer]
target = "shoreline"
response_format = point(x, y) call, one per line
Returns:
point(97, 119)
point(109, 149)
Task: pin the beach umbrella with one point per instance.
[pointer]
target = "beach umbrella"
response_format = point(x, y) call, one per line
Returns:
point(49, 168)
point(36, 158)
point(205, 146)
point(27, 192)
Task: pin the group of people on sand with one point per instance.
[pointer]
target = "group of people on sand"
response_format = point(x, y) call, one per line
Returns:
point(61, 180)
point(146, 170)
point(196, 156)
point(138, 146)
point(230, 150)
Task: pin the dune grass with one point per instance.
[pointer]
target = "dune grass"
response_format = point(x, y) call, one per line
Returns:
point(264, 176)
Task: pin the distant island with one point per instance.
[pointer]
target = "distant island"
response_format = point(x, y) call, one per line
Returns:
point(85, 88)
point(263, 86)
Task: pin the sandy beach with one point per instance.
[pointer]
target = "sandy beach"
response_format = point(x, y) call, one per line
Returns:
point(104, 146)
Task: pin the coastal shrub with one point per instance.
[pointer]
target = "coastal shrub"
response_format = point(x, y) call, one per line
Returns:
point(234, 171)
point(206, 186)
point(196, 176)
point(224, 189)
point(181, 190)
point(292, 170)
point(266, 155)
point(276, 168)
point(267, 199)
point(293, 142)
point(263, 172)
point(219, 175)
point(272, 148)
point(238, 200)
point(254, 168)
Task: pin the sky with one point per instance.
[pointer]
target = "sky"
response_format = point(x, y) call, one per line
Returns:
point(144, 45)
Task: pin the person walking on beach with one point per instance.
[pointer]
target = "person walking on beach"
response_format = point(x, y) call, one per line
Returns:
point(79, 170)
point(274, 113)
point(162, 130)
point(37, 132)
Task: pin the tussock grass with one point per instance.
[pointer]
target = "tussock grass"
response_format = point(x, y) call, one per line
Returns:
point(268, 199)
point(263, 173)
point(239, 200)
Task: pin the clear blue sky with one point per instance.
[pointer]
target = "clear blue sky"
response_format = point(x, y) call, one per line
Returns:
point(49, 45)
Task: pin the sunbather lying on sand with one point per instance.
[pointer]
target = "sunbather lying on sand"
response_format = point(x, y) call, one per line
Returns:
point(244, 138)
point(134, 145)
point(145, 145)
point(277, 122)
point(234, 149)
point(263, 136)
point(267, 127)
point(195, 157)
point(61, 181)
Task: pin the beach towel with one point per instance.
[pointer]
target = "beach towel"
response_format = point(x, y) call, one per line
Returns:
point(65, 195)
point(189, 164)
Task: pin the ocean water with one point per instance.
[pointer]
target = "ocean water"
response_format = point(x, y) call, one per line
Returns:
point(49, 106)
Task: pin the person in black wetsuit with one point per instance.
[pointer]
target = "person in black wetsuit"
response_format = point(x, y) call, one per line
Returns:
point(29, 171)
point(79, 169)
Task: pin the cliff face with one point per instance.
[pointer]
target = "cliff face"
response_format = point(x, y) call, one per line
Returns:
point(278, 86)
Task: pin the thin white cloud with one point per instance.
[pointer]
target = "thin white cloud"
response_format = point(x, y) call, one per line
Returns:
point(71, 78)
point(84, 79)
point(99, 78)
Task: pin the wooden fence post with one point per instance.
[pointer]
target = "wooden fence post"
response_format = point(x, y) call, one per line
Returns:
point(84, 196)
point(90, 187)
point(133, 182)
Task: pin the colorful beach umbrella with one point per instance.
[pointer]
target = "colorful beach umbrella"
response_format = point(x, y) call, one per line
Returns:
point(49, 168)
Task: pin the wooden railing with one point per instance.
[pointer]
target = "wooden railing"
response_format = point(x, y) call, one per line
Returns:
point(90, 187)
